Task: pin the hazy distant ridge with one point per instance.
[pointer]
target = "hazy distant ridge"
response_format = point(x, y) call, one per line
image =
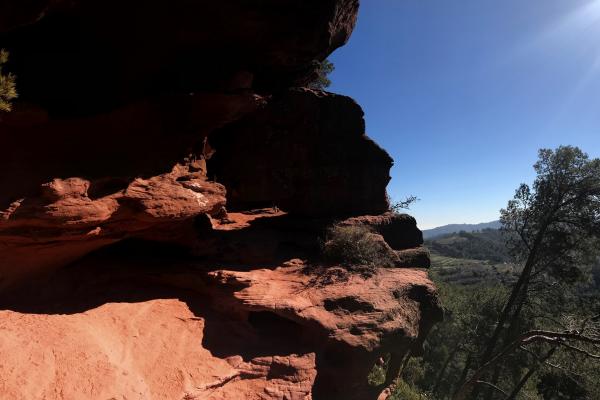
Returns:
point(453, 228)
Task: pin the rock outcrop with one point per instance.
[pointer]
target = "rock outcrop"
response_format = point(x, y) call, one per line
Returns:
point(305, 152)
point(350, 321)
point(64, 223)
point(109, 346)
point(165, 182)
point(138, 330)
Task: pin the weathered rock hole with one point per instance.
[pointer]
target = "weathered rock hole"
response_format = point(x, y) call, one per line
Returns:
point(279, 371)
point(266, 322)
point(350, 304)
point(355, 331)
point(105, 187)
point(278, 335)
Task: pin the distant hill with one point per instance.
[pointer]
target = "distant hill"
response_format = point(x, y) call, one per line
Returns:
point(485, 244)
point(455, 228)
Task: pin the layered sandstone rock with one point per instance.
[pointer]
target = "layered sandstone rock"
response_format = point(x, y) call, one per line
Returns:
point(305, 152)
point(146, 350)
point(349, 320)
point(105, 52)
point(134, 329)
point(62, 224)
point(122, 275)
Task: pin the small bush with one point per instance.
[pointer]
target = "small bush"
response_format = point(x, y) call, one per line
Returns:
point(356, 248)
point(403, 391)
point(378, 373)
point(320, 79)
point(399, 206)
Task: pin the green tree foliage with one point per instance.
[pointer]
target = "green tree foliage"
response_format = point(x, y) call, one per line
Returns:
point(535, 335)
point(556, 385)
point(8, 89)
point(320, 79)
point(405, 391)
point(556, 223)
point(554, 231)
point(469, 314)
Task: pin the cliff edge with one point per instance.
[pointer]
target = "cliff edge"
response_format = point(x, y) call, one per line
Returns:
point(166, 180)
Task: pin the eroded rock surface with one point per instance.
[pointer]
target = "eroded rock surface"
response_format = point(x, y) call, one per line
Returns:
point(123, 275)
point(351, 320)
point(62, 224)
point(147, 350)
point(134, 329)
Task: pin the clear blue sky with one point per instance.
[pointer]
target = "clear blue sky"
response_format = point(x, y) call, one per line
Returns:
point(463, 93)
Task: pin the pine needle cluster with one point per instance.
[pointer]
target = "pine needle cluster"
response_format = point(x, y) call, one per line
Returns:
point(8, 85)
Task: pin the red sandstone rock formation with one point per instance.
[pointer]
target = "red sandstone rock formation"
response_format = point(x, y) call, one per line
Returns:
point(306, 152)
point(122, 275)
point(135, 329)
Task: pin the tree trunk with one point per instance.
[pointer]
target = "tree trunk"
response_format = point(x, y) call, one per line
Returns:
point(395, 367)
point(514, 295)
point(464, 373)
point(489, 392)
point(438, 379)
point(527, 376)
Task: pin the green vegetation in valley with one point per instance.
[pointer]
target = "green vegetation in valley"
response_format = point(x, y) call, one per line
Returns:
point(487, 244)
point(522, 305)
point(464, 271)
point(471, 306)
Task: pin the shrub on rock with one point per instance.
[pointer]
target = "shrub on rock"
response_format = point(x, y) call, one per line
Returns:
point(357, 248)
